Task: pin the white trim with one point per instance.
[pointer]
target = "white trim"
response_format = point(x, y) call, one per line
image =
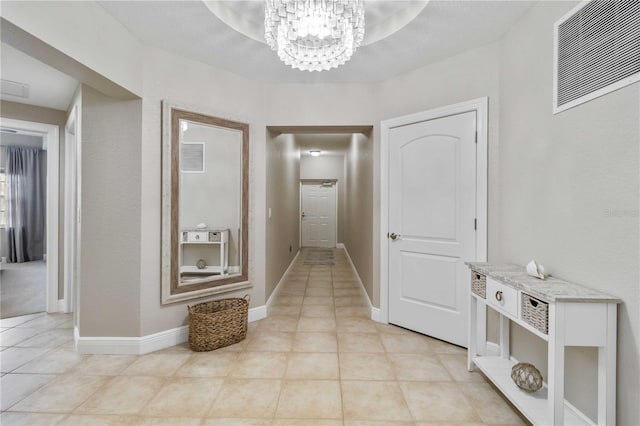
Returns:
point(276, 290)
point(371, 307)
point(72, 133)
point(51, 143)
point(375, 314)
point(340, 246)
point(480, 107)
point(62, 303)
point(257, 313)
point(145, 344)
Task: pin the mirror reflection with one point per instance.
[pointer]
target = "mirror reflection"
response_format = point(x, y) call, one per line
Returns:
point(210, 201)
point(205, 193)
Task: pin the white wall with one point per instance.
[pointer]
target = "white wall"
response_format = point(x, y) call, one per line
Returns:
point(85, 33)
point(562, 179)
point(283, 197)
point(328, 167)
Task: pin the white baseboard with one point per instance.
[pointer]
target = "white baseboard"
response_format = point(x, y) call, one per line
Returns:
point(257, 313)
point(340, 245)
point(145, 344)
point(62, 305)
point(375, 312)
point(276, 290)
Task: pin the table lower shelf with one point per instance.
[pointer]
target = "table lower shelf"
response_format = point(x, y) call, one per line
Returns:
point(533, 406)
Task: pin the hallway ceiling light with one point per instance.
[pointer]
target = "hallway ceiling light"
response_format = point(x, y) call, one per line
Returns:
point(315, 152)
point(314, 35)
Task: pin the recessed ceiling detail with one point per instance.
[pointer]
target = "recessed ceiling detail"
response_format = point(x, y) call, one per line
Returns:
point(382, 18)
point(400, 36)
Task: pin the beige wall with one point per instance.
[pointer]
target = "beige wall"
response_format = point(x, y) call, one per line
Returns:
point(328, 167)
point(359, 208)
point(283, 197)
point(109, 293)
point(17, 111)
point(562, 179)
point(200, 88)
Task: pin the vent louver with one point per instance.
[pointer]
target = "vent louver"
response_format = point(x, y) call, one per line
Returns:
point(597, 51)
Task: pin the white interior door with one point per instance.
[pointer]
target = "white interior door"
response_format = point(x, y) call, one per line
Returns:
point(318, 214)
point(432, 205)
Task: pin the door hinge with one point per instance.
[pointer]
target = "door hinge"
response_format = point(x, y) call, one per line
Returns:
point(475, 224)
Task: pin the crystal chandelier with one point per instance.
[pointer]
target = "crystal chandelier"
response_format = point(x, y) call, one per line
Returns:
point(314, 35)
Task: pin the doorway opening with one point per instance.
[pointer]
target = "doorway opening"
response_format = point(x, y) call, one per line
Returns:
point(29, 193)
point(319, 195)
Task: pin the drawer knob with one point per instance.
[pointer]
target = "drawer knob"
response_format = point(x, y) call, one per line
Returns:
point(499, 296)
point(197, 237)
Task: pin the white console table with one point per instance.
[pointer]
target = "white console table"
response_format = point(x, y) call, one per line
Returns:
point(205, 238)
point(575, 316)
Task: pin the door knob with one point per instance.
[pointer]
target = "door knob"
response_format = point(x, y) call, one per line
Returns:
point(394, 236)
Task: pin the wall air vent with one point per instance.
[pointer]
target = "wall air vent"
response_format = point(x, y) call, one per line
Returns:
point(597, 51)
point(13, 88)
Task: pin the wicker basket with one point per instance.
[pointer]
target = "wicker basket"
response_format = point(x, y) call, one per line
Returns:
point(218, 323)
point(535, 313)
point(479, 284)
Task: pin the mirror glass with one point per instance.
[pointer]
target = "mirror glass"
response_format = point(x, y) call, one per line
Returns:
point(206, 226)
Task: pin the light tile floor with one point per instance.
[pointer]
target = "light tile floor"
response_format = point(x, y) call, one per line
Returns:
point(316, 360)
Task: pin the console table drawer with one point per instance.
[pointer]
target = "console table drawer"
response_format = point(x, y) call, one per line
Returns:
point(195, 236)
point(502, 297)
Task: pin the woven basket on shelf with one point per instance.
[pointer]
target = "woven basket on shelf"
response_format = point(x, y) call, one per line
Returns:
point(218, 323)
point(535, 313)
point(479, 284)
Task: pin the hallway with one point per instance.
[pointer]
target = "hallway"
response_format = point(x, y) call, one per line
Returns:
point(317, 360)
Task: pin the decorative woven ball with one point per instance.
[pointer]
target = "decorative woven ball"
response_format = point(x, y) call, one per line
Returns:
point(201, 264)
point(526, 376)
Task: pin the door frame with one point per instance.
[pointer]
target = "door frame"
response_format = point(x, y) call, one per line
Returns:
point(72, 132)
point(480, 107)
point(335, 222)
point(51, 141)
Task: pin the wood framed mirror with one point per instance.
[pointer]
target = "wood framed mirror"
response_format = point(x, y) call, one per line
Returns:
point(205, 207)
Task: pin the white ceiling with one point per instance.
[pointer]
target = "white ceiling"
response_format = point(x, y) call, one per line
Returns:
point(329, 144)
point(442, 29)
point(48, 87)
point(188, 28)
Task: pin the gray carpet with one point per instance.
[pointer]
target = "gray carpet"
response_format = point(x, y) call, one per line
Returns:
point(23, 288)
point(319, 256)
